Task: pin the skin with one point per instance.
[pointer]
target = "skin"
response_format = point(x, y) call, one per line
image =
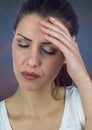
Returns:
point(35, 97)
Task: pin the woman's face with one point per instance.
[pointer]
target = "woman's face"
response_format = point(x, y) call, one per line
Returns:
point(36, 61)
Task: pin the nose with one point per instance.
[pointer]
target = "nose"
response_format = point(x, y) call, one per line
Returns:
point(34, 59)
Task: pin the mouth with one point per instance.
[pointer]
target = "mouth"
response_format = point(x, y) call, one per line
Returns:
point(30, 76)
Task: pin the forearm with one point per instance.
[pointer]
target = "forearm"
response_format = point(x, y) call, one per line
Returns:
point(85, 89)
point(86, 98)
point(88, 125)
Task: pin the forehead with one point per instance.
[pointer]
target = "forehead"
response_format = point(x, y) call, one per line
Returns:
point(30, 27)
point(32, 18)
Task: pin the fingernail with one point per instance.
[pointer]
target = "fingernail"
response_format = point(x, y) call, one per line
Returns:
point(52, 19)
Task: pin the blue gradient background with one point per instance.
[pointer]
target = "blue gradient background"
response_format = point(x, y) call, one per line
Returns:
point(8, 11)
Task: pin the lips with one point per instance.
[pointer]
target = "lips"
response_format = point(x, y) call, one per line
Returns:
point(30, 76)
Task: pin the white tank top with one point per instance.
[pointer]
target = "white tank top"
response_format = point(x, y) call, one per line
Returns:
point(73, 116)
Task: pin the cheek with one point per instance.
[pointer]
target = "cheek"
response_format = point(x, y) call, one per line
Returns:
point(17, 59)
point(53, 67)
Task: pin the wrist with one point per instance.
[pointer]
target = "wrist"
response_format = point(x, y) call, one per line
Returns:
point(84, 81)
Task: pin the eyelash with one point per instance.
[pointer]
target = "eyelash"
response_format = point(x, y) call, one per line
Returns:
point(50, 53)
point(23, 46)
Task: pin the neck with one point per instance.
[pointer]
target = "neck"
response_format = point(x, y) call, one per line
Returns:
point(36, 103)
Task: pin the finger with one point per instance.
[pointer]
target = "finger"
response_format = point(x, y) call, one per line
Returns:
point(61, 37)
point(53, 27)
point(58, 29)
point(63, 47)
point(60, 25)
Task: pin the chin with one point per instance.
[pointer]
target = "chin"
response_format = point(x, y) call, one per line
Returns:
point(30, 87)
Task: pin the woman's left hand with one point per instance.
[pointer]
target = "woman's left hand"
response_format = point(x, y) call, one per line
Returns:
point(58, 34)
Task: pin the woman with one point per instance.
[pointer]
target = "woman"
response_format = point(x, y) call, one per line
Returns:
point(43, 48)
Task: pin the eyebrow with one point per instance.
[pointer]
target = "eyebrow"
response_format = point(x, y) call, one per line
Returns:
point(24, 37)
point(43, 43)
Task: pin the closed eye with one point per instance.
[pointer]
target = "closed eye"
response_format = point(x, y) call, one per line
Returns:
point(23, 46)
point(22, 43)
point(49, 50)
